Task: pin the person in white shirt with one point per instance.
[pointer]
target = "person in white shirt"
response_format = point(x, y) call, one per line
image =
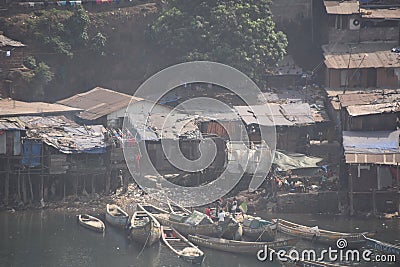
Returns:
point(234, 206)
point(221, 216)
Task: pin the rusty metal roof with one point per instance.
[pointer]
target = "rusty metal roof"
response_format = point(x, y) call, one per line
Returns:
point(381, 13)
point(363, 55)
point(359, 99)
point(361, 110)
point(342, 7)
point(5, 41)
point(9, 107)
point(165, 126)
point(65, 135)
point(276, 114)
point(99, 102)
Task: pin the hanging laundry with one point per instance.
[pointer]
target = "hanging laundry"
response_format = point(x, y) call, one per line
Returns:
point(63, 3)
point(8, 53)
point(31, 4)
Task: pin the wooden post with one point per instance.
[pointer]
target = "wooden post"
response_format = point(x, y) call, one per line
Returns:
point(19, 184)
point(374, 201)
point(93, 189)
point(108, 181)
point(30, 184)
point(76, 186)
point(351, 197)
point(7, 182)
point(24, 195)
point(64, 189)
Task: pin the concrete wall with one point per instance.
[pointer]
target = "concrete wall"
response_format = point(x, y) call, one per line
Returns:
point(291, 10)
point(363, 35)
point(322, 202)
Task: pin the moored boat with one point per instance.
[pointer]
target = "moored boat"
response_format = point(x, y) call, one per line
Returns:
point(239, 247)
point(144, 228)
point(116, 216)
point(91, 222)
point(182, 247)
point(384, 247)
point(195, 223)
point(319, 235)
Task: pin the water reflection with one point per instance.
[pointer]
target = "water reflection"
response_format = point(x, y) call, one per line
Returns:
point(45, 238)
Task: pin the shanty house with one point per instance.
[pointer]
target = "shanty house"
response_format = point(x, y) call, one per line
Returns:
point(150, 130)
point(365, 110)
point(362, 65)
point(290, 120)
point(107, 107)
point(372, 159)
point(353, 21)
point(12, 53)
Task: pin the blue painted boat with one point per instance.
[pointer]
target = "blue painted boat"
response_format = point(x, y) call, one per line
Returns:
point(384, 247)
point(116, 216)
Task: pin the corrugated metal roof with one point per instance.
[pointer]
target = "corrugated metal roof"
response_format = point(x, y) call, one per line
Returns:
point(5, 41)
point(311, 95)
point(276, 114)
point(381, 13)
point(9, 107)
point(11, 124)
point(342, 7)
point(99, 102)
point(363, 55)
point(381, 147)
point(65, 135)
point(165, 126)
point(358, 99)
point(360, 110)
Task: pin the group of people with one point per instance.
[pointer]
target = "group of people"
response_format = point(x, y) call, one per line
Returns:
point(219, 213)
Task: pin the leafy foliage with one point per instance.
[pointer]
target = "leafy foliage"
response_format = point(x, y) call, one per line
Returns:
point(62, 31)
point(239, 33)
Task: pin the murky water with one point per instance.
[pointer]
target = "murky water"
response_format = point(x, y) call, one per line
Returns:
point(46, 238)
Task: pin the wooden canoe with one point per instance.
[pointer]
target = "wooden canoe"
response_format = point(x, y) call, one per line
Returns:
point(230, 228)
point(182, 247)
point(384, 247)
point(319, 235)
point(144, 228)
point(116, 216)
point(239, 247)
point(91, 222)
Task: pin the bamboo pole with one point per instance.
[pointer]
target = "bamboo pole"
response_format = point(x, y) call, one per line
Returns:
point(7, 182)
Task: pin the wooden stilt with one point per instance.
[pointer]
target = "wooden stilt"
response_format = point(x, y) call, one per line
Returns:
point(19, 185)
point(351, 197)
point(108, 181)
point(64, 190)
point(76, 186)
point(7, 182)
point(41, 187)
point(374, 201)
point(93, 189)
point(398, 186)
point(24, 193)
point(30, 185)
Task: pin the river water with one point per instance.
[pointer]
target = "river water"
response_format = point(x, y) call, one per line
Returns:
point(48, 238)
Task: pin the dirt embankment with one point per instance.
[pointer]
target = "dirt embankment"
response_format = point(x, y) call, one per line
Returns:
point(129, 57)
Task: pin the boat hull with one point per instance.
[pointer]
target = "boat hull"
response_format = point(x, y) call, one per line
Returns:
point(120, 220)
point(383, 247)
point(239, 247)
point(321, 236)
point(92, 223)
point(214, 229)
point(147, 235)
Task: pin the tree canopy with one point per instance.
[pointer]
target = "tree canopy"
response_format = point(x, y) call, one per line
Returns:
point(239, 33)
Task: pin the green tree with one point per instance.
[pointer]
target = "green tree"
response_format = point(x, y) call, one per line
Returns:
point(239, 33)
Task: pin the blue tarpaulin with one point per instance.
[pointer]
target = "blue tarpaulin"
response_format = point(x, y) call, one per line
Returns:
point(32, 151)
